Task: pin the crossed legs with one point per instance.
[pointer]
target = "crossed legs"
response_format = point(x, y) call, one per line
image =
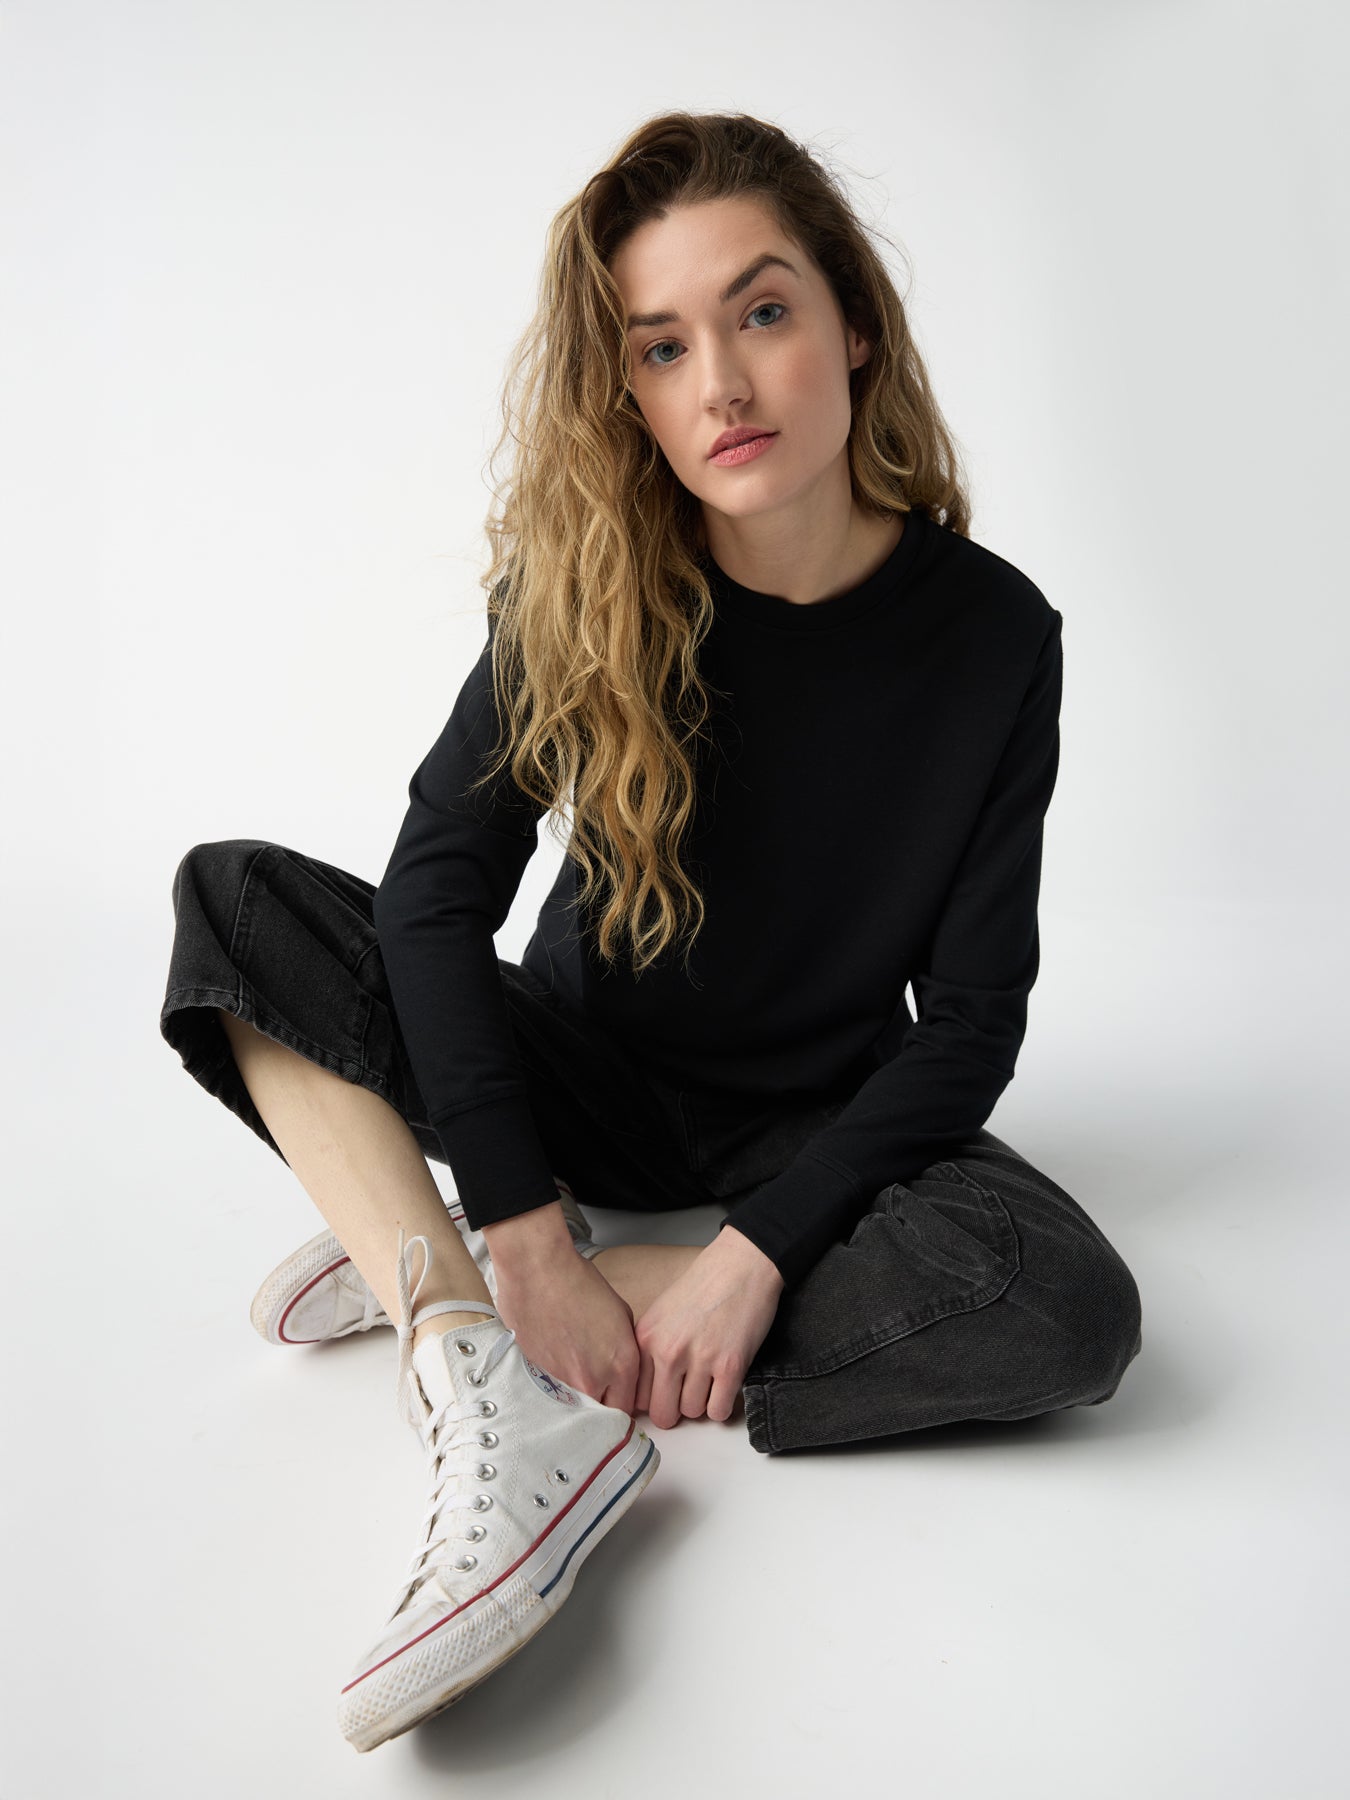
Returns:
point(362, 1167)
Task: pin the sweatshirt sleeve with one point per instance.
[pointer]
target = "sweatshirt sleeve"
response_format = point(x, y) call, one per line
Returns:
point(959, 1056)
point(454, 871)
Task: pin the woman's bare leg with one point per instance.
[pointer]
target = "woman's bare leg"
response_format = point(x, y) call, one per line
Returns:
point(362, 1167)
point(639, 1272)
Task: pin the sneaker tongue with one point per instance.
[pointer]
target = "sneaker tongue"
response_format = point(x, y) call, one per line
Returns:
point(442, 1369)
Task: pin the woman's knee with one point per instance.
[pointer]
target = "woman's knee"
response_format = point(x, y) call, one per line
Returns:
point(1101, 1319)
point(218, 865)
point(1082, 1301)
point(211, 877)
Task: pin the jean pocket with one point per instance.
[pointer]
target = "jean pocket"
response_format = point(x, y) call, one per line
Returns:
point(940, 1245)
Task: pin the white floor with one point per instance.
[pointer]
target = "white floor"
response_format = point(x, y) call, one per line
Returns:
point(1143, 1598)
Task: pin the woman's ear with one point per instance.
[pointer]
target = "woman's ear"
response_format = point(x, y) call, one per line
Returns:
point(858, 349)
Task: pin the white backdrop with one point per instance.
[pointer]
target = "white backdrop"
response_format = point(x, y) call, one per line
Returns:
point(262, 264)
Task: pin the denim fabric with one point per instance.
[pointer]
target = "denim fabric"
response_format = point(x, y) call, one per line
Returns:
point(978, 1289)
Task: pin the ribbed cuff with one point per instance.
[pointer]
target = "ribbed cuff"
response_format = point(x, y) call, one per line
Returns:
point(498, 1163)
point(795, 1217)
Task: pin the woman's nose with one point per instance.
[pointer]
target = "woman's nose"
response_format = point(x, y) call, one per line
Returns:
point(725, 381)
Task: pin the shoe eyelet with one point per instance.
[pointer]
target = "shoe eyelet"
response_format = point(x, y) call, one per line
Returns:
point(464, 1348)
point(487, 1407)
point(539, 1500)
point(482, 1502)
point(476, 1533)
point(476, 1376)
point(489, 1440)
point(562, 1474)
point(486, 1471)
point(467, 1562)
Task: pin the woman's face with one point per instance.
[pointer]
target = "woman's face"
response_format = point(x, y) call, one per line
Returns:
point(741, 341)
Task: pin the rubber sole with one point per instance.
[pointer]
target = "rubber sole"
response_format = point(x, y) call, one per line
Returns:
point(288, 1284)
point(506, 1616)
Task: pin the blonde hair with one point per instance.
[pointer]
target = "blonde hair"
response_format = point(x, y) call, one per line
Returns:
point(597, 602)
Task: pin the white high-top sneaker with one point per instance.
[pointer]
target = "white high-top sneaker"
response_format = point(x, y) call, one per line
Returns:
point(318, 1292)
point(526, 1475)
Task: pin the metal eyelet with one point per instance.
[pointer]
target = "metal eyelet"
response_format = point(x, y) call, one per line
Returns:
point(486, 1471)
point(475, 1533)
point(465, 1348)
point(476, 1377)
point(539, 1500)
point(466, 1562)
point(487, 1407)
point(562, 1474)
point(489, 1439)
point(482, 1502)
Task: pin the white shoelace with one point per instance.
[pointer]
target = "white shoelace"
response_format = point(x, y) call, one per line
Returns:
point(453, 1455)
point(408, 1320)
point(372, 1311)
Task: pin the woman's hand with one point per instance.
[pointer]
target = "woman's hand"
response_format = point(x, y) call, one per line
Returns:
point(570, 1321)
point(699, 1336)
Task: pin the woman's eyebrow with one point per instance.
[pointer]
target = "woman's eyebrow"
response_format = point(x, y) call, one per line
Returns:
point(738, 286)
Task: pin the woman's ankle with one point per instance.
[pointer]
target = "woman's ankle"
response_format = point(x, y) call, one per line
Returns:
point(444, 1322)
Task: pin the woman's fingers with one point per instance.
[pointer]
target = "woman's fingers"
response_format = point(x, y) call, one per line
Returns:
point(667, 1385)
point(694, 1394)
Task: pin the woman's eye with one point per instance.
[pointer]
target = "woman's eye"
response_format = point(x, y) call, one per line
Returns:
point(664, 362)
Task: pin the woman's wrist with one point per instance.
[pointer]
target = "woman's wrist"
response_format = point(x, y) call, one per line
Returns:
point(528, 1240)
point(758, 1264)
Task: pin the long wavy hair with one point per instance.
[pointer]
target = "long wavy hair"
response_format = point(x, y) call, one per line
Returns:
point(597, 600)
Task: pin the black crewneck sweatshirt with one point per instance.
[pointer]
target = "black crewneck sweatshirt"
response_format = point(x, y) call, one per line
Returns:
point(870, 814)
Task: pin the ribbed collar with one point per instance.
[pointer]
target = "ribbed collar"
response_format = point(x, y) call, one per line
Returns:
point(730, 598)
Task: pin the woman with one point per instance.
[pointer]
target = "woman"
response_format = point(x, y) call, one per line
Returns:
point(803, 732)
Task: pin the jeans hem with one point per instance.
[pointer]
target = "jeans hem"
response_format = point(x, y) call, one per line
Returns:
point(757, 1418)
point(219, 1074)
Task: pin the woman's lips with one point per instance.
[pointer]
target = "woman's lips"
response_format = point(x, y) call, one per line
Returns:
point(746, 452)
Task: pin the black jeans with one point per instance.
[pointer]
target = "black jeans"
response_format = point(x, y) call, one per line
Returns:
point(977, 1290)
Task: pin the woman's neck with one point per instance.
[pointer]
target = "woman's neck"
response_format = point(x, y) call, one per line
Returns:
point(804, 567)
